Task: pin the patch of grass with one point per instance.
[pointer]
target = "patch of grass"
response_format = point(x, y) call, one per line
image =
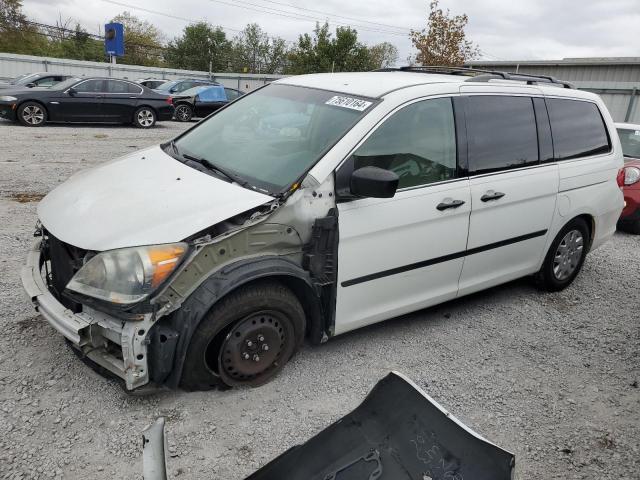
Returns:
point(25, 197)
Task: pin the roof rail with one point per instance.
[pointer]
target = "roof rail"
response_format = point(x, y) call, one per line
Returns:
point(482, 75)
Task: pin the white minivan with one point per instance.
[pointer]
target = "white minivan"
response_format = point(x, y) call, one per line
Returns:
point(316, 205)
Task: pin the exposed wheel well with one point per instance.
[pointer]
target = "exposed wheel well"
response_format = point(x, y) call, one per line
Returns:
point(303, 292)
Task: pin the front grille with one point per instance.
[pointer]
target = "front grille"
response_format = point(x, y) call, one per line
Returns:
point(61, 262)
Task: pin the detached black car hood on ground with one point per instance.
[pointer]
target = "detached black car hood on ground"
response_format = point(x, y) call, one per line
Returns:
point(397, 433)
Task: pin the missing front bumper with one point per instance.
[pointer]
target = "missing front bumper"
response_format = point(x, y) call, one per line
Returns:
point(115, 345)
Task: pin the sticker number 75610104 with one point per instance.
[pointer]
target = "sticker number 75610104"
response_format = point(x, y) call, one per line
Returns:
point(349, 102)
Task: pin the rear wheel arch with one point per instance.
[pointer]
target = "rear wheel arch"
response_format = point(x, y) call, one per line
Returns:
point(144, 105)
point(591, 225)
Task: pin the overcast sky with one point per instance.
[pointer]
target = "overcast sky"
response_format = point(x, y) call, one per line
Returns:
point(503, 29)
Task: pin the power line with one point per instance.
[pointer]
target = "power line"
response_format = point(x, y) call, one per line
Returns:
point(300, 16)
point(168, 15)
point(337, 16)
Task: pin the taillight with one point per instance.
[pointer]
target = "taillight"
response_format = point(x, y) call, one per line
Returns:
point(631, 175)
point(169, 100)
point(620, 177)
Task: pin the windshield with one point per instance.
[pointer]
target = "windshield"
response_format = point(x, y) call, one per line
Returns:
point(630, 140)
point(21, 79)
point(271, 137)
point(166, 86)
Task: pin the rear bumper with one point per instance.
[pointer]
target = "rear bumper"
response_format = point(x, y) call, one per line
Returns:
point(118, 346)
point(631, 210)
point(165, 113)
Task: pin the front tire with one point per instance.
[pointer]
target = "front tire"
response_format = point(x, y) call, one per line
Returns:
point(245, 339)
point(32, 114)
point(183, 113)
point(144, 117)
point(565, 257)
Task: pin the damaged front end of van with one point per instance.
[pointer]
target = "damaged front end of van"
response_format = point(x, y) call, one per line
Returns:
point(131, 258)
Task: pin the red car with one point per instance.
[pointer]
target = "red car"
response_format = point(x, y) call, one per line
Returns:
point(630, 139)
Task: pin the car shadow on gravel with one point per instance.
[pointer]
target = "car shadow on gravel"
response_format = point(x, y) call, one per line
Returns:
point(450, 311)
point(8, 123)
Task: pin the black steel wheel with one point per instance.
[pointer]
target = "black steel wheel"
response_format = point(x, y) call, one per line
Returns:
point(255, 346)
point(245, 339)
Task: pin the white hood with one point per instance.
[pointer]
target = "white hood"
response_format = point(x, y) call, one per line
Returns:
point(141, 199)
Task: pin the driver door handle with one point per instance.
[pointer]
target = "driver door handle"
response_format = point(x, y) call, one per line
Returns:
point(451, 204)
point(491, 195)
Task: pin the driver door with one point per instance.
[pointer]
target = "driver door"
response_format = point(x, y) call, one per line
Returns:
point(401, 254)
point(82, 104)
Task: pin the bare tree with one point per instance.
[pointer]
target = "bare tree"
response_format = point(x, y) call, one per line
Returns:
point(444, 41)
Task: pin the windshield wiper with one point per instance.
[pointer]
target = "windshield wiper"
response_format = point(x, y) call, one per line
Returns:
point(210, 166)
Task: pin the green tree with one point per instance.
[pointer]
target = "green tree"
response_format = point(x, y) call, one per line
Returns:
point(254, 51)
point(383, 55)
point(444, 41)
point(142, 41)
point(343, 53)
point(16, 34)
point(199, 45)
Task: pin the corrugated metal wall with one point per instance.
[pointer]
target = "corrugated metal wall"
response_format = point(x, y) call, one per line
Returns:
point(12, 65)
point(614, 82)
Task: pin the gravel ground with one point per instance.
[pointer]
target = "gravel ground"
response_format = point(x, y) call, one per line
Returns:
point(551, 377)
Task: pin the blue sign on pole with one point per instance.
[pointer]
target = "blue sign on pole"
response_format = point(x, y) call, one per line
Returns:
point(114, 39)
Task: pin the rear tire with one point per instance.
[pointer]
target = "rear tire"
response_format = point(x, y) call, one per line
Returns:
point(245, 339)
point(144, 117)
point(565, 257)
point(183, 113)
point(32, 114)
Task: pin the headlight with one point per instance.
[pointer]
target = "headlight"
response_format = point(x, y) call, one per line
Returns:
point(631, 175)
point(7, 98)
point(127, 275)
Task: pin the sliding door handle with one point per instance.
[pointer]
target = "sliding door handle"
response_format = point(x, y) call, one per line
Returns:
point(450, 204)
point(491, 195)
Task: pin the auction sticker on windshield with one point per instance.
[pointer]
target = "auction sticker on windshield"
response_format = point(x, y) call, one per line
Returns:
point(348, 102)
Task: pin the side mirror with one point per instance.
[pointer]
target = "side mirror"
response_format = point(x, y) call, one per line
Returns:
point(374, 182)
point(173, 90)
point(30, 85)
point(71, 92)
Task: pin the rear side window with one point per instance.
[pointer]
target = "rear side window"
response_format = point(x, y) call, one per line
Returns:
point(115, 86)
point(502, 133)
point(577, 129)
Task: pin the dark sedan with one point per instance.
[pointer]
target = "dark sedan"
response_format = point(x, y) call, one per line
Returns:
point(101, 100)
point(29, 80)
point(201, 101)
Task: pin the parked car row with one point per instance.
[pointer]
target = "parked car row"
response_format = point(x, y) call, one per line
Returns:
point(630, 140)
point(35, 99)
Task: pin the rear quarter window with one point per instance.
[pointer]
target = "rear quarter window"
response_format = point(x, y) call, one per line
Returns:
point(577, 128)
